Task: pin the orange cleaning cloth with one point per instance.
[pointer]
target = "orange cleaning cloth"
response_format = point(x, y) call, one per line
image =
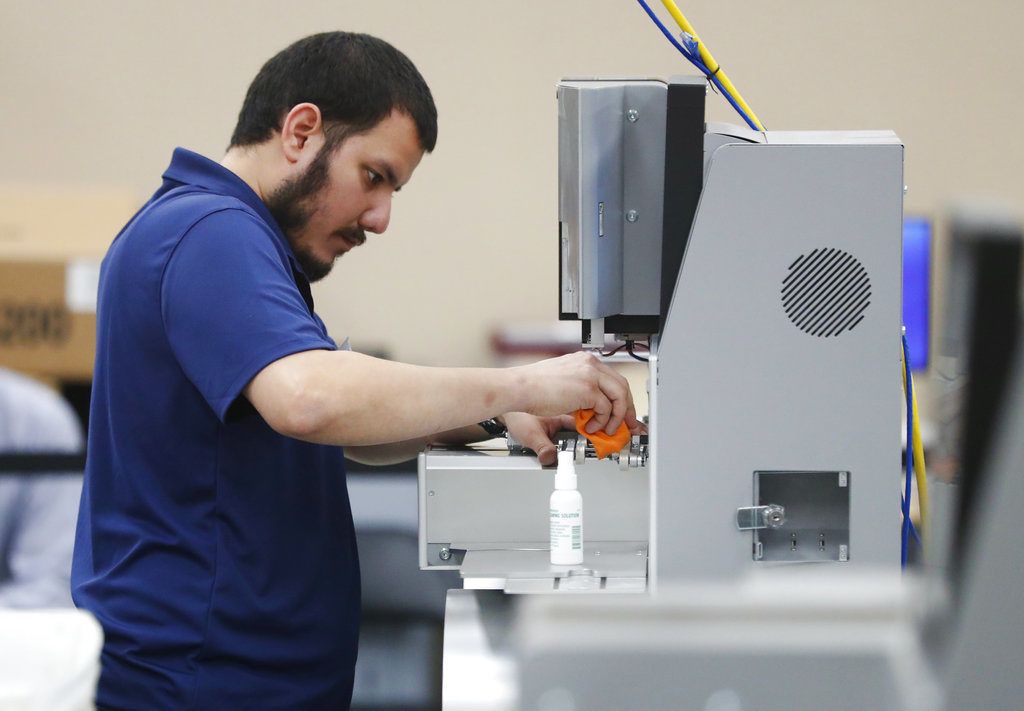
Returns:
point(604, 443)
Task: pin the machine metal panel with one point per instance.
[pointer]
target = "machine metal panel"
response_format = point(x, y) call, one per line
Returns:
point(817, 516)
point(611, 143)
point(788, 643)
point(478, 667)
point(474, 499)
point(740, 388)
point(643, 162)
point(832, 138)
point(590, 198)
point(570, 214)
point(601, 559)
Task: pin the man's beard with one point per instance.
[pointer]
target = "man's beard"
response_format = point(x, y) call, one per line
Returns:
point(294, 202)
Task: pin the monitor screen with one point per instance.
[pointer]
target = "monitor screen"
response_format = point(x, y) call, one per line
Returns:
point(917, 259)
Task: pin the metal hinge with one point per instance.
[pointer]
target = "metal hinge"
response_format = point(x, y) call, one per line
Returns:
point(754, 517)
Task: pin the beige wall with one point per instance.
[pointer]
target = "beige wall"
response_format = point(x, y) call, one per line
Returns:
point(100, 92)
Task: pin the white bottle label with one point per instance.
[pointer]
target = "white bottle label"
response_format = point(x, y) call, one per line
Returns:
point(566, 530)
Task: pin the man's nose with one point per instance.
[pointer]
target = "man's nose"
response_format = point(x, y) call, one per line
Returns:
point(377, 217)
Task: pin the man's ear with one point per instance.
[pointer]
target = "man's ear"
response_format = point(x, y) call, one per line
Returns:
point(302, 133)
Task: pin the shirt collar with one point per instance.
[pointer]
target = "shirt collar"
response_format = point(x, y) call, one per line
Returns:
point(190, 168)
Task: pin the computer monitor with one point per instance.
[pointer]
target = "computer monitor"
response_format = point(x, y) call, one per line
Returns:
point(917, 261)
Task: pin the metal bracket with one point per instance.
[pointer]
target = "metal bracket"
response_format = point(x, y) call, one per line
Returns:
point(592, 333)
point(754, 517)
point(580, 451)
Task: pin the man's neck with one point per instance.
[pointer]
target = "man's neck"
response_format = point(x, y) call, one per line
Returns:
point(246, 162)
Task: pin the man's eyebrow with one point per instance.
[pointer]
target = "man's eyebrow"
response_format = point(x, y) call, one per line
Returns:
point(389, 175)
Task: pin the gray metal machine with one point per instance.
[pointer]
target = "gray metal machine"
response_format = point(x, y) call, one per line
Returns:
point(824, 638)
point(764, 272)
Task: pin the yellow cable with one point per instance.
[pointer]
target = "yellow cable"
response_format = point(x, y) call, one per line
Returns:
point(916, 449)
point(920, 474)
point(714, 67)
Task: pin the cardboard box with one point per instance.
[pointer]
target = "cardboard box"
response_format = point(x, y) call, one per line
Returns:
point(51, 243)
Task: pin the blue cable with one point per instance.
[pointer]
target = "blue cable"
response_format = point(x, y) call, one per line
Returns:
point(668, 35)
point(728, 97)
point(694, 58)
point(913, 529)
point(909, 457)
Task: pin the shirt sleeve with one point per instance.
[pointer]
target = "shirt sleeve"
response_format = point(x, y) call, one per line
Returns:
point(231, 307)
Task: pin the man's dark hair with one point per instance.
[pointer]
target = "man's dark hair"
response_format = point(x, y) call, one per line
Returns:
point(355, 80)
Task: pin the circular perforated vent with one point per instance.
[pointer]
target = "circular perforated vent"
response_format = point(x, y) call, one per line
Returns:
point(826, 292)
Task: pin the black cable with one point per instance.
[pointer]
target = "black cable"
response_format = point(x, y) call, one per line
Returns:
point(629, 349)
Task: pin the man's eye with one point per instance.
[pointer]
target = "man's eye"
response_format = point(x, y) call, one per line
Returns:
point(375, 177)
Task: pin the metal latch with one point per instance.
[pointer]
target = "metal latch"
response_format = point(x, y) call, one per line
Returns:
point(752, 517)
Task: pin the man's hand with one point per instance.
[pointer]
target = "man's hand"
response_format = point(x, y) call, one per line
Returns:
point(579, 381)
point(537, 433)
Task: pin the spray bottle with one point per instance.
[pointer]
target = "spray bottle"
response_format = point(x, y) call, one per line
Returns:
point(566, 510)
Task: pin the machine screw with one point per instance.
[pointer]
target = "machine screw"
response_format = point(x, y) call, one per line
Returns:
point(632, 216)
point(444, 554)
point(632, 115)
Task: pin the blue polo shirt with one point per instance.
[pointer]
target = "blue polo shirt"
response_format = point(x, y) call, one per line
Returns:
point(218, 555)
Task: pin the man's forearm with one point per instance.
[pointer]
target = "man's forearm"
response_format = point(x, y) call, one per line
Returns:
point(396, 452)
point(346, 398)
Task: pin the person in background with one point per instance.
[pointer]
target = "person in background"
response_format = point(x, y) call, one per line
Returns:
point(37, 511)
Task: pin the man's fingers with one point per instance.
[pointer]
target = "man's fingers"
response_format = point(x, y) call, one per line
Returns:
point(616, 389)
point(611, 372)
point(541, 444)
point(635, 426)
point(547, 454)
point(631, 415)
point(557, 423)
point(566, 422)
point(602, 411)
point(621, 402)
point(530, 432)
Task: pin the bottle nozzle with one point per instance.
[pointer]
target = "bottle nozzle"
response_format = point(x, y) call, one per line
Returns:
point(565, 475)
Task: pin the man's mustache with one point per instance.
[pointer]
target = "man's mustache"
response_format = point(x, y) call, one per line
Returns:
point(354, 235)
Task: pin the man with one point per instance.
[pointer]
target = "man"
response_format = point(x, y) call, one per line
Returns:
point(215, 540)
